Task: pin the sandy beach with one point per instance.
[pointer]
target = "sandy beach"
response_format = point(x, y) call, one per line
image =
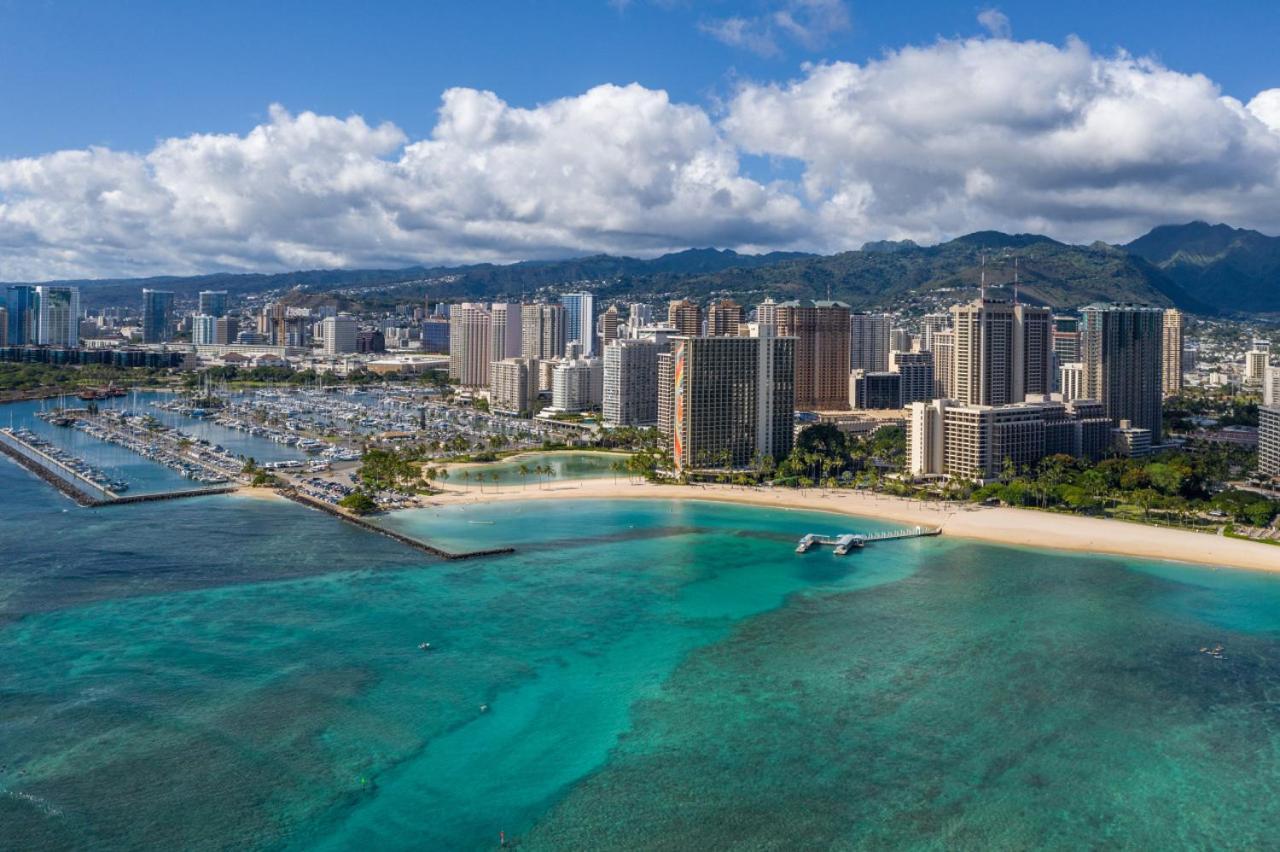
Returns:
point(518, 457)
point(993, 524)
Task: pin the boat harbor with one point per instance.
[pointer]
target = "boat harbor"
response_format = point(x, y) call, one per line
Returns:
point(843, 544)
point(96, 483)
point(190, 457)
point(76, 478)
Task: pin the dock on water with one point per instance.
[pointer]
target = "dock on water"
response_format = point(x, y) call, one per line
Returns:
point(842, 544)
point(80, 488)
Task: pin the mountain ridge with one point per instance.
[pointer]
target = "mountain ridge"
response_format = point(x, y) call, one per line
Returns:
point(1201, 268)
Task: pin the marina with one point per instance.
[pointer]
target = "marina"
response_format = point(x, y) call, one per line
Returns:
point(73, 478)
point(192, 458)
point(69, 474)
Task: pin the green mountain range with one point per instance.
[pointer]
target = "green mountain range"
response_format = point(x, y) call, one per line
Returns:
point(1231, 268)
point(1204, 269)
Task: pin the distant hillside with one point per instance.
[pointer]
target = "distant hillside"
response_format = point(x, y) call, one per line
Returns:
point(1201, 268)
point(1232, 268)
point(1050, 273)
point(479, 280)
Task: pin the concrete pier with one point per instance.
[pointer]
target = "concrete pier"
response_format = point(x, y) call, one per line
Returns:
point(392, 534)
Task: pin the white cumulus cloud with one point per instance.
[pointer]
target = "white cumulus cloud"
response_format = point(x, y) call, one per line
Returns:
point(932, 141)
point(927, 142)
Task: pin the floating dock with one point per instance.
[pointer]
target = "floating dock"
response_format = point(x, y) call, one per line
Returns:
point(856, 541)
point(79, 488)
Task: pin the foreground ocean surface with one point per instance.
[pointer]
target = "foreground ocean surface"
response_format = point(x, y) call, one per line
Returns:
point(224, 672)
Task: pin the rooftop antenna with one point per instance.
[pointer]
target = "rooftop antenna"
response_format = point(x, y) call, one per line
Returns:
point(982, 281)
point(1015, 280)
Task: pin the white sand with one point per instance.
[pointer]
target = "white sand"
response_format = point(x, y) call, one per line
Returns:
point(994, 524)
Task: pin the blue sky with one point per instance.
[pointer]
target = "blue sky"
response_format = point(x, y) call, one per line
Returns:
point(74, 74)
point(141, 138)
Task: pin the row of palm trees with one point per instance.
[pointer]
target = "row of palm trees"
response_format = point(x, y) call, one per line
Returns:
point(479, 477)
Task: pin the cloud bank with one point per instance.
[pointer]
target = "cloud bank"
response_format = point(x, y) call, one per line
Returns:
point(924, 143)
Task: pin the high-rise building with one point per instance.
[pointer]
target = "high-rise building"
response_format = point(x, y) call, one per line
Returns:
point(1271, 386)
point(22, 306)
point(869, 341)
point(608, 326)
point(505, 336)
point(899, 340)
point(984, 352)
point(1003, 352)
point(470, 345)
point(513, 386)
point(204, 330)
point(435, 334)
point(4, 325)
point(1032, 352)
point(579, 321)
point(638, 315)
point(1066, 339)
point(875, 390)
point(685, 316)
point(631, 383)
point(767, 312)
point(213, 303)
point(1256, 362)
point(821, 330)
point(943, 349)
point(733, 400)
point(157, 316)
point(1171, 348)
point(1122, 359)
point(1269, 440)
point(372, 340)
point(577, 384)
point(58, 316)
point(916, 370)
point(931, 324)
point(723, 318)
point(225, 330)
point(666, 393)
point(542, 332)
point(339, 334)
point(1071, 381)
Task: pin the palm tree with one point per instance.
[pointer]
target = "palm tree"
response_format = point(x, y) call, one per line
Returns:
point(524, 475)
point(494, 476)
point(466, 476)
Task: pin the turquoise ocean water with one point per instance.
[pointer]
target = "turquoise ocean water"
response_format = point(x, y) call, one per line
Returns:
point(230, 673)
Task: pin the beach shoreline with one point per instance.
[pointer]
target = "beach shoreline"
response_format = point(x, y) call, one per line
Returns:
point(992, 524)
point(524, 454)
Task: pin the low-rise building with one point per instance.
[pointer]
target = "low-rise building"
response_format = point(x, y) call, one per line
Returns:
point(945, 437)
point(1131, 441)
point(875, 390)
